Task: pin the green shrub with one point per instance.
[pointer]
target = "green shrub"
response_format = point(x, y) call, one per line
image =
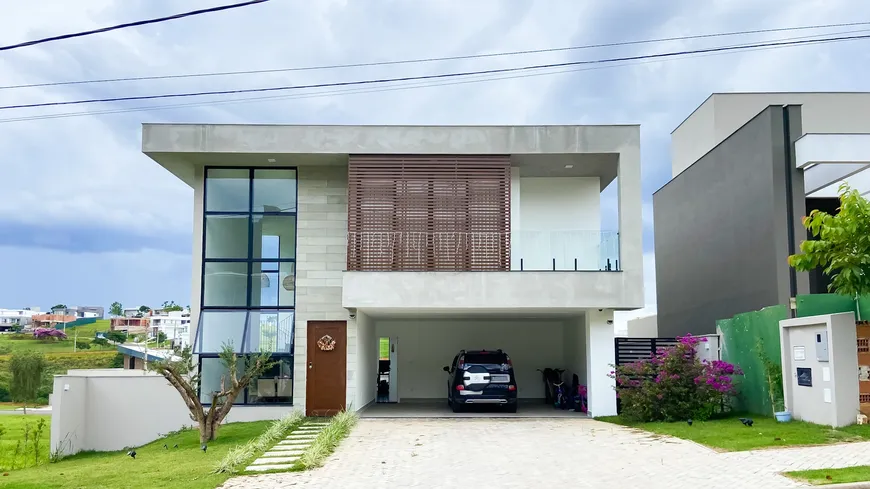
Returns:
point(117, 361)
point(59, 363)
point(673, 385)
point(83, 345)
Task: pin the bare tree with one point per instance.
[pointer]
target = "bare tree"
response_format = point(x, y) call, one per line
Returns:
point(181, 372)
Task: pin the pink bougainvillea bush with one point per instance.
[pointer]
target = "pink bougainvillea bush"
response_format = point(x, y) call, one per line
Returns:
point(48, 334)
point(673, 385)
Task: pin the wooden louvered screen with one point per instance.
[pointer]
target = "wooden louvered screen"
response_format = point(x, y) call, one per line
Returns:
point(428, 213)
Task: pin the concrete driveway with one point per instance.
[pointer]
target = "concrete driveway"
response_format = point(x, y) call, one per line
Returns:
point(523, 453)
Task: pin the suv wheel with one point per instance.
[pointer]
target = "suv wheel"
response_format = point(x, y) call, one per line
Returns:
point(511, 408)
point(457, 407)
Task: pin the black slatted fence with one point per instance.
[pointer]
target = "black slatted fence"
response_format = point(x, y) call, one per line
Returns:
point(630, 350)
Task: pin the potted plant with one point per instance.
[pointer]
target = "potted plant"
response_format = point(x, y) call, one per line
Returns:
point(773, 375)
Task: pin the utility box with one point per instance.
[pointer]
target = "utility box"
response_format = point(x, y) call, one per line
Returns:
point(820, 368)
point(822, 346)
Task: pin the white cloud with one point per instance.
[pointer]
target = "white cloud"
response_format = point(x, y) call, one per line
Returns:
point(90, 171)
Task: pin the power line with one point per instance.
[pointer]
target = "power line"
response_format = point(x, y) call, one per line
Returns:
point(436, 76)
point(131, 24)
point(436, 59)
point(331, 93)
point(407, 86)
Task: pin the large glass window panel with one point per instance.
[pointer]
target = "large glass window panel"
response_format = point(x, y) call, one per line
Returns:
point(274, 191)
point(226, 236)
point(213, 371)
point(274, 236)
point(270, 331)
point(275, 385)
point(227, 190)
point(219, 328)
point(225, 284)
point(273, 284)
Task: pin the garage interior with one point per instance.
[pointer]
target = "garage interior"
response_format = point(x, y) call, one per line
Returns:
point(406, 378)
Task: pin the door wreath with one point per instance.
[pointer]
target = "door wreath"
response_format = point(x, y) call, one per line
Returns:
point(326, 343)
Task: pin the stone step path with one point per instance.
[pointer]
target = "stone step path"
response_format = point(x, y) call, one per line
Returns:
point(285, 454)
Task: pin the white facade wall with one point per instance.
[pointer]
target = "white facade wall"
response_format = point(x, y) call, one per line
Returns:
point(599, 362)
point(362, 362)
point(559, 219)
point(643, 327)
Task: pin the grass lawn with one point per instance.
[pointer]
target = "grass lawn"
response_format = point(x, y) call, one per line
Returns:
point(832, 476)
point(11, 406)
point(86, 332)
point(186, 466)
point(13, 431)
point(730, 435)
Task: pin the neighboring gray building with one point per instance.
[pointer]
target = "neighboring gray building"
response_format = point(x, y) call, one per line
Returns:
point(726, 222)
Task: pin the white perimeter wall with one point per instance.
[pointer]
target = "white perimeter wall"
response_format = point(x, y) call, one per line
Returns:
point(111, 410)
point(425, 346)
point(555, 218)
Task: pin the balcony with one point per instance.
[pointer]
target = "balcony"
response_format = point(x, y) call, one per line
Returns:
point(569, 271)
point(568, 250)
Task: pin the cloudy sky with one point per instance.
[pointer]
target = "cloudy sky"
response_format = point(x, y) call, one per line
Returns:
point(85, 218)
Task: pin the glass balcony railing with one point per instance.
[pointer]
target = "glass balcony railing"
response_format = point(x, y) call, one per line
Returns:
point(571, 250)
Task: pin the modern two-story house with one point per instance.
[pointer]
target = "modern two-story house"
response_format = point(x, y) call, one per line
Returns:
point(344, 248)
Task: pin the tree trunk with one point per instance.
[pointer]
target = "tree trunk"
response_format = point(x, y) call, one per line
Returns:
point(25, 407)
point(207, 430)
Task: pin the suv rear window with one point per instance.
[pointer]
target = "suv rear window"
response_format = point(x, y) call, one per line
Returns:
point(494, 358)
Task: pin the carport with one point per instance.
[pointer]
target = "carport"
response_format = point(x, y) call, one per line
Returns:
point(420, 345)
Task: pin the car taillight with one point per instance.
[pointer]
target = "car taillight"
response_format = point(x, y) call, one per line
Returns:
point(512, 387)
point(460, 387)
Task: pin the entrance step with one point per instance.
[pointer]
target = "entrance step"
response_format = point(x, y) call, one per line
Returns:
point(288, 448)
point(263, 468)
point(283, 453)
point(275, 460)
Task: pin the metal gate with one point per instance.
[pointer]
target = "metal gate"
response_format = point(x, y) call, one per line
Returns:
point(630, 350)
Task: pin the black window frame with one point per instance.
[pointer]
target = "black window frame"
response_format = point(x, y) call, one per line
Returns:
point(250, 261)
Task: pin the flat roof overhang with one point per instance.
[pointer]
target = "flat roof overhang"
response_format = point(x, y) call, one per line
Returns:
point(538, 151)
point(831, 159)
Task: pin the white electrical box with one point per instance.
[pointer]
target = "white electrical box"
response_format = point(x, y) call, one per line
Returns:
point(822, 346)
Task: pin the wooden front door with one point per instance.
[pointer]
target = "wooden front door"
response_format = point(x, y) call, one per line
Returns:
point(326, 384)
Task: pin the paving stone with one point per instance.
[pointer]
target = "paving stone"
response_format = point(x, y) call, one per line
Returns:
point(274, 460)
point(263, 468)
point(420, 453)
point(273, 455)
point(302, 443)
point(288, 448)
